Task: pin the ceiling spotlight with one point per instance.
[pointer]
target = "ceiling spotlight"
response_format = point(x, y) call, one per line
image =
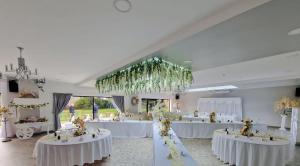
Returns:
point(294, 32)
point(123, 6)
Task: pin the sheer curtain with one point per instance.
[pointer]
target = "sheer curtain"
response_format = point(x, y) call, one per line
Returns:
point(118, 102)
point(60, 101)
point(224, 106)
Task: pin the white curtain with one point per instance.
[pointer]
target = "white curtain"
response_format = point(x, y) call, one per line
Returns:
point(224, 106)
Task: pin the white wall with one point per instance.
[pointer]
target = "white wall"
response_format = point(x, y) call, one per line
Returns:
point(258, 104)
point(46, 96)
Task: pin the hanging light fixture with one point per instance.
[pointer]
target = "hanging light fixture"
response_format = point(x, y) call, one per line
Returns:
point(122, 6)
point(22, 72)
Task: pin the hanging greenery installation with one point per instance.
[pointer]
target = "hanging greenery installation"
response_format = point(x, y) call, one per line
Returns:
point(151, 75)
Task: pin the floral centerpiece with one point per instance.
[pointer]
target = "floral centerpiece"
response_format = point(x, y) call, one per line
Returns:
point(81, 128)
point(212, 117)
point(246, 129)
point(4, 112)
point(165, 127)
point(285, 104)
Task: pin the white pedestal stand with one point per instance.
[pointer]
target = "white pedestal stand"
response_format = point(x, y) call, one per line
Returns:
point(5, 138)
point(283, 120)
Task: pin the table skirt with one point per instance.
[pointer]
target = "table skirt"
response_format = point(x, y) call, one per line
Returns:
point(75, 154)
point(205, 130)
point(125, 129)
point(242, 153)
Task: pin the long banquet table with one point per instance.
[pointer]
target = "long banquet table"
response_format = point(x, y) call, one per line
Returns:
point(125, 129)
point(183, 129)
point(161, 151)
point(49, 151)
point(197, 129)
point(244, 151)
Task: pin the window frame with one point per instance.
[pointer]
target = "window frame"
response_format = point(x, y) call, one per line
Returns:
point(156, 100)
point(93, 100)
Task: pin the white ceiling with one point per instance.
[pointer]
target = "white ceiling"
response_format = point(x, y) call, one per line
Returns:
point(72, 40)
point(257, 33)
point(252, 49)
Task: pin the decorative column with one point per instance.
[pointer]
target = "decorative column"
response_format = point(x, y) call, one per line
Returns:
point(295, 126)
point(4, 92)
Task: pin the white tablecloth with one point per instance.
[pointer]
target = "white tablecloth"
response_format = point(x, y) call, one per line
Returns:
point(51, 152)
point(225, 106)
point(243, 151)
point(192, 118)
point(161, 151)
point(125, 129)
point(183, 129)
point(196, 129)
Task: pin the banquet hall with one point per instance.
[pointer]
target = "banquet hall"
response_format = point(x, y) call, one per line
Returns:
point(150, 83)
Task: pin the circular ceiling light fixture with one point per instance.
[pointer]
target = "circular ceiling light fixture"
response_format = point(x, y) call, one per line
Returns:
point(123, 6)
point(294, 32)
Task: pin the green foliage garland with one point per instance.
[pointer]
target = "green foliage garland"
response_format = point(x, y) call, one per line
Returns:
point(28, 106)
point(151, 75)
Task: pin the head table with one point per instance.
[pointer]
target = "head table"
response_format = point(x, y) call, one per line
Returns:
point(249, 151)
point(49, 151)
point(183, 129)
point(198, 129)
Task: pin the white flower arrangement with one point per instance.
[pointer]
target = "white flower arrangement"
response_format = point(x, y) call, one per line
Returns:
point(286, 103)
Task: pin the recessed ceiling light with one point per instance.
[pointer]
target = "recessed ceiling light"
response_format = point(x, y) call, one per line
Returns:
point(294, 32)
point(123, 6)
point(215, 88)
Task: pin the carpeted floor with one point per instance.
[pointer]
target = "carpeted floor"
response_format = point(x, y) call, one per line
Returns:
point(126, 152)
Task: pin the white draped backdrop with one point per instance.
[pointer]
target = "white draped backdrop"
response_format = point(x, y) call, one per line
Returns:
point(224, 106)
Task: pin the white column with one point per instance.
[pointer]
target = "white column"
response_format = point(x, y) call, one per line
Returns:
point(295, 126)
point(4, 92)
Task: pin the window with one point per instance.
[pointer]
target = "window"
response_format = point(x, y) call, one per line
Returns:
point(87, 107)
point(106, 108)
point(149, 104)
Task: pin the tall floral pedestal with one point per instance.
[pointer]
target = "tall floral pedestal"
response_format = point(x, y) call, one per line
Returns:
point(283, 120)
point(7, 130)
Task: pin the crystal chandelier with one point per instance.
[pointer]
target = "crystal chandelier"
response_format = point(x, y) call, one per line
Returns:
point(22, 72)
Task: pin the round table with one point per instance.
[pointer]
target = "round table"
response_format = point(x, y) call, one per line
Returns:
point(244, 151)
point(49, 151)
